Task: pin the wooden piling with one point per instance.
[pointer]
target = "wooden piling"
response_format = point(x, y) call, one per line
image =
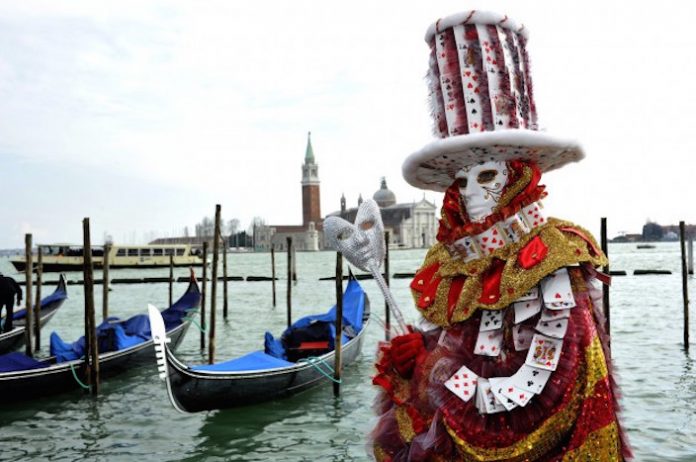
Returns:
point(37, 303)
point(171, 278)
point(289, 291)
point(339, 324)
point(387, 322)
point(294, 265)
point(690, 252)
point(203, 293)
point(213, 287)
point(225, 305)
point(105, 282)
point(29, 275)
point(273, 274)
point(685, 289)
point(91, 334)
point(605, 288)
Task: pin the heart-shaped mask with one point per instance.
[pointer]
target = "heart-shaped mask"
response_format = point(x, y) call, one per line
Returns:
point(361, 243)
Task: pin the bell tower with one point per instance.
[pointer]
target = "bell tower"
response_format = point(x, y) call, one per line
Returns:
point(311, 207)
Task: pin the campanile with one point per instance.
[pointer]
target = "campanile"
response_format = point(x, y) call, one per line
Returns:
point(311, 208)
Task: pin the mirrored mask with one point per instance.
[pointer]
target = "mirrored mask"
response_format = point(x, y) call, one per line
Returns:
point(481, 186)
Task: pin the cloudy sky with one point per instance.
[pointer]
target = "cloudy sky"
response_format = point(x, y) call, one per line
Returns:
point(143, 115)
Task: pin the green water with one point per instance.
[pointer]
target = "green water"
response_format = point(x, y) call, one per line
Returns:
point(133, 420)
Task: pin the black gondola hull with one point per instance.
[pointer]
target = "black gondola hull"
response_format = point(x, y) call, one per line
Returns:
point(59, 378)
point(195, 392)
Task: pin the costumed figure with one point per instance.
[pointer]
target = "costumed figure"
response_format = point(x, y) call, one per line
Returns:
point(511, 361)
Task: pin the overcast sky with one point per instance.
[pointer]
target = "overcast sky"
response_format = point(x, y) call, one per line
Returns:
point(143, 115)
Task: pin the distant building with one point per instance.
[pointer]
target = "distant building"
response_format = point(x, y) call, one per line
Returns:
point(307, 236)
point(410, 225)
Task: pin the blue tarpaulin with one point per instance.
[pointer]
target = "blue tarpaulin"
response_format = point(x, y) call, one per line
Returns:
point(274, 354)
point(56, 296)
point(16, 361)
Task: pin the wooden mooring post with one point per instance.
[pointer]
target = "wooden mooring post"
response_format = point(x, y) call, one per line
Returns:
point(685, 289)
point(105, 282)
point(203, 293)
point(690, 251)
point(225, 303)
point(37, 303)
point(339, 324)
point(213, 287)
point(171, 278)
point(92, 357)
point(387, 321)
point(29, 276)
point(289, 291)
point(605, 289)
point(273, 274)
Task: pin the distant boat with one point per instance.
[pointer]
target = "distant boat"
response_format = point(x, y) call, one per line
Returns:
point(49, 306)
point(645, 246)
point(25, 378)
point(279, 370)
point(66, 257)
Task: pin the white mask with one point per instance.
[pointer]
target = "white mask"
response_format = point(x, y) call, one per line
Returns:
point(361, 243)
point(481, 186)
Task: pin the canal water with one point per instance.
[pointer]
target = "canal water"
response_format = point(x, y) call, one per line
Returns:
point(133, 420)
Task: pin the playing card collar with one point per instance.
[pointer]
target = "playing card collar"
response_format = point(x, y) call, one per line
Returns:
point(500, 234)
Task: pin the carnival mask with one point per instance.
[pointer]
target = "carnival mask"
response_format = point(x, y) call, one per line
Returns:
point(480, 186)
point(361, 243)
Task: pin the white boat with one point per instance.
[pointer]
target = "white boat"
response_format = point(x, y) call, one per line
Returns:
point(67, 257)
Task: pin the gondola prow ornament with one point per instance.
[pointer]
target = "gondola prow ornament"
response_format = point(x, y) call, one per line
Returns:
point(362, 244)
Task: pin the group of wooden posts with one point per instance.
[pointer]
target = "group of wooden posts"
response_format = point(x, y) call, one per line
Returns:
point(33, 337)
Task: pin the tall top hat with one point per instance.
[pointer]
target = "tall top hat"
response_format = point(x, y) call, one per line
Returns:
point(482, 101)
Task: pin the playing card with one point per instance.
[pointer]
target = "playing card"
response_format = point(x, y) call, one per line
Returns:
point(491, 320)
point(544, 352)
point(488, 401)
point(527, 309)
point(532, 294)
point(488, 343)
point(515, 394)
point(522, 337)
point(554, 328)
point(467, 248)
point(548, 315)
point(530, 379)
point(463, 383)
point(556, 290)
point(490, 240)
point(514, 228)
point(533, 215)
point(497, 389)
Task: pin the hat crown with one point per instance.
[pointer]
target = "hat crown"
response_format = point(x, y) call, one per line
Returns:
point(479, 75)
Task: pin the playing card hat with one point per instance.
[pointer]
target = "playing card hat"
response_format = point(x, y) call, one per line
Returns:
point(481, 101)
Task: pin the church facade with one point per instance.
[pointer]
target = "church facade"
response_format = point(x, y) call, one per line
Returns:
point(410, 224)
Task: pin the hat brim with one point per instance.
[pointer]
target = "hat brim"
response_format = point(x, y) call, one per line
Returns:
point(434, 166)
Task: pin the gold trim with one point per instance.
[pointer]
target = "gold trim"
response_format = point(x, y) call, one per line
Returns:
point(564, 249)
point(600, 446)
point(403, 420)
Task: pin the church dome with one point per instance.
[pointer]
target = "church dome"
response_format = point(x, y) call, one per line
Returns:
point(384, 197)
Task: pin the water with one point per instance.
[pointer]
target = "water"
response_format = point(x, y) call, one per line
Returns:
point(133, 420)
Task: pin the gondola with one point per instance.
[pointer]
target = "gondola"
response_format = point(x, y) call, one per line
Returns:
point(23, 378)
point(264, 375)
point(49, 306)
